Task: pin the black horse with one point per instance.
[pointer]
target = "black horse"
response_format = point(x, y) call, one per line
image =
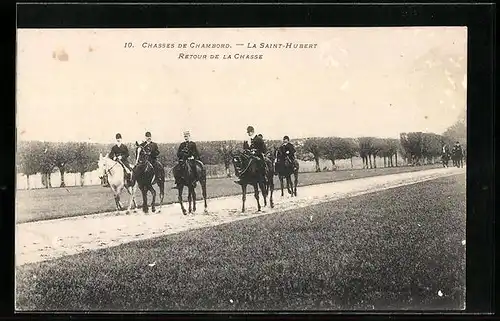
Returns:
point(146, 175)
point(187, 173)
point(250, 170)
point(285, 168)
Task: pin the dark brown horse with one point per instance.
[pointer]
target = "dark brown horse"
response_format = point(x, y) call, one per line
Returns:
point(146, 175)
point(187, 173)
point(285, 168)
point(251, 171)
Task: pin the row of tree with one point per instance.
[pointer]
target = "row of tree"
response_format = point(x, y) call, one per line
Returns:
point(45, 157)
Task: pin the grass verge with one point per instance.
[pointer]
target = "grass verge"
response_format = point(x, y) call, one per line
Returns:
point(394, 249)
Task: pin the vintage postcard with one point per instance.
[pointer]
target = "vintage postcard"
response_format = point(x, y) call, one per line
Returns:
point(246, 169)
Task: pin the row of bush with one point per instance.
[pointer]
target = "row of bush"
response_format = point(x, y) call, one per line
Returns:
point(45, 157)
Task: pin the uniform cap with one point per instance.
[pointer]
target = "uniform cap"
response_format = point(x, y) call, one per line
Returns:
point(286, 137)
point(186, 132)
point(148, 134)
point(118, 136)
point(250, 129)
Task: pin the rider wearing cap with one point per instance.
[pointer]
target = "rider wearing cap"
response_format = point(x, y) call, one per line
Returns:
point(256, 145)
point(457, 147)
point(287, 149)
point(119, 152)
point(187, 151)
point(150, 149)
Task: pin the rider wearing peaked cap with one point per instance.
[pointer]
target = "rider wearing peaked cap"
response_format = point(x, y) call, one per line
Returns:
point(119, 152)
point(187, 151)
point(150, 148)
point(287, 149)
point(255, 143)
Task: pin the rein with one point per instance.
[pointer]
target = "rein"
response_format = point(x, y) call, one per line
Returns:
point(108, 170)
point(248, 165)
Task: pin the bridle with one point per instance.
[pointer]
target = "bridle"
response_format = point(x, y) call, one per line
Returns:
point(108, 170)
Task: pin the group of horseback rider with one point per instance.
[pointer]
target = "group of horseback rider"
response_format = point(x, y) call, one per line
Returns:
point(188, 151)
point(119, 153)
point(456, 152)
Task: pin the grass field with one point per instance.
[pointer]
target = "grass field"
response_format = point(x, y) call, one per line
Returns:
point(387, 250)
point(44, 204)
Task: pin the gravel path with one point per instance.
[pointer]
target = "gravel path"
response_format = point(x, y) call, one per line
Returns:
point(46, 240)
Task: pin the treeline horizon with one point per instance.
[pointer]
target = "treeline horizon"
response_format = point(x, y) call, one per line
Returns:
point(33, 156)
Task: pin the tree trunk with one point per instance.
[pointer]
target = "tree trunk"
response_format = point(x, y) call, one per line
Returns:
point(334, 168)
point(49, 181)
point(316, 159)
point(374, 161)
point(61, 170)
point(352, 166)
point(396, 157)
point(45, 180)
point(385, 161)
point(27, 182)
point(82, 179)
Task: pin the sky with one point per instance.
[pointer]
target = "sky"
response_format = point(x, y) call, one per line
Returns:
point(84, 85)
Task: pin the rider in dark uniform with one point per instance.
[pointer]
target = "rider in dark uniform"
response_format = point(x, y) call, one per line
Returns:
point(287, 149)
point(187, 151)
point(256, 145)
point(151, 150)
point(457, 148)
point(119, 152)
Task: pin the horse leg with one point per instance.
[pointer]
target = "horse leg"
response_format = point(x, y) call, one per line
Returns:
point(263, 188)
point(270, 191)
point(180, 189)
point(193, 197)
point(144, 192)
point(131, 191)
point(256, 195)
point(296, 175)
point(116, 202)
point(281, 183)
point(153, 193)
point(161, 185)
point(243, 197)
point(190, 196)
point(203, 184)
point(288, 184)
point(120, 206)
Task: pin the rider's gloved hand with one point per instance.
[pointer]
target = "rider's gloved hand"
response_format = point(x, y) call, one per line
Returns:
point(288, 152)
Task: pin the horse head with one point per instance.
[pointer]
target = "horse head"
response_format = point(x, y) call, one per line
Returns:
point(240, 160)
point(141, 156)
point(102, 165)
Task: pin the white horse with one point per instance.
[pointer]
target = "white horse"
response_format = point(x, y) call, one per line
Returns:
point(116, 179)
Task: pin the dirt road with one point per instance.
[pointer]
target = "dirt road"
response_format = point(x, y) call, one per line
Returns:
point(46, 240)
